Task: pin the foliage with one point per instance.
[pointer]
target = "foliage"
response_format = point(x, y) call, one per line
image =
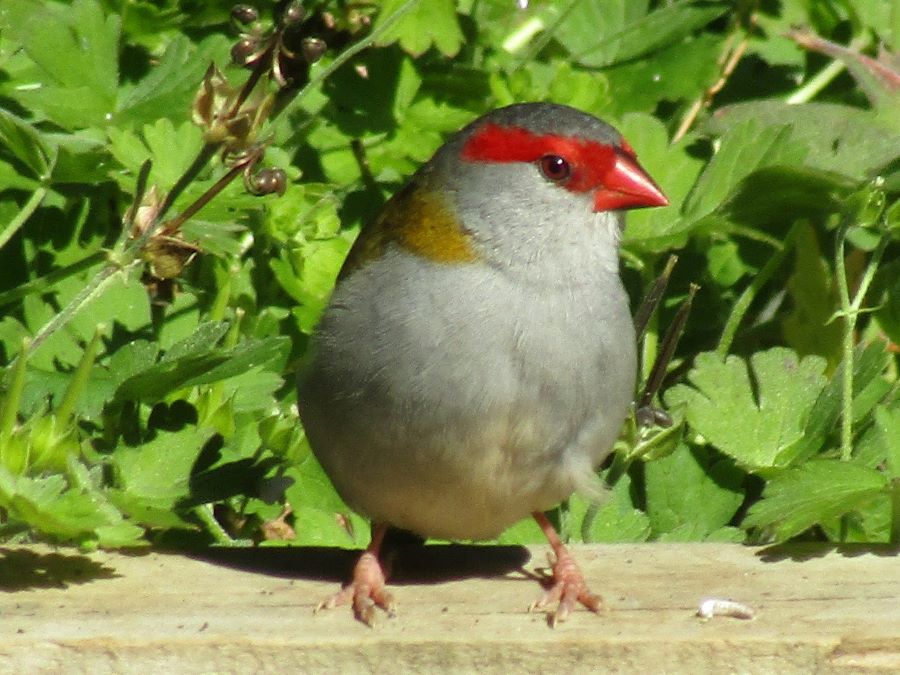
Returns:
point(147, 393)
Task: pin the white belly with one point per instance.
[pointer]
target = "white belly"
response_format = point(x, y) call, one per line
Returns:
point(454, 417)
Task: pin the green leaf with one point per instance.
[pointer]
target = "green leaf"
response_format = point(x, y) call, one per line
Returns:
point(76, 51)
point(692, 488)
point(12, 178)
point(171, 149)
point(879, 446)
point(770, 42)
point(319, 262)
point(122, 303)
point(801, 497)
point(837, 138)
point(585, 90)
point(27, 144)
point(321, 513)
point(234, 469)
point(138, 509)
point(795, 190)
point(869, 363)
point(199, 342)
point(120, 535)
point(221, 239)
point(526, 531)
point(43, 386)
point(680, 72)
point(432, 22)
point(131, 358)
point(167, 89)
point(81, 157)
point(746, 147)
point(193, 369)
point(888, 423)
point(253, 390)
point(888, 309)
point(51, 507)
point(756, 422)
point(408, 84)
point(615, 520)
point(182, 321)
point(724, 263)
point(617, 42)
point(157, 473)
point(673, 169)
point(807, 326)
point(587, 20)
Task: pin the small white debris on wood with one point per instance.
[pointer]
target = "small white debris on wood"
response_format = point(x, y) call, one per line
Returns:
point(712, 607)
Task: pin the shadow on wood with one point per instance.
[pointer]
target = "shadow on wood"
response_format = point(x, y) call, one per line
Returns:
point(24, 569)
point(803, 551)
point(409, 563)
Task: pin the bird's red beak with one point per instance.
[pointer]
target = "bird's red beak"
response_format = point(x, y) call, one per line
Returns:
point(627, 186)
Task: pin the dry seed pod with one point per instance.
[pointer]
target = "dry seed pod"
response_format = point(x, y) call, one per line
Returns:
point(243, 51)
point(168, 256)
point(313, 48)
point(266, 182)
point(244, 14)
point(293, 14)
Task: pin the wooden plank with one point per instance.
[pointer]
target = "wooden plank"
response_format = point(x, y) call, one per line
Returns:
point(461, 609)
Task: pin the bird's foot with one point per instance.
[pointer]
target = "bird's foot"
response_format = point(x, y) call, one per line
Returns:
point(366, 591)
point(567, 588)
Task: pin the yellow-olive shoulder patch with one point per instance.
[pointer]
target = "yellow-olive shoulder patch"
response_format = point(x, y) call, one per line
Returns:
point(418, 220)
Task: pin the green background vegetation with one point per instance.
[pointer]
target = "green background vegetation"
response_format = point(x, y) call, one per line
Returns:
point(147, 392)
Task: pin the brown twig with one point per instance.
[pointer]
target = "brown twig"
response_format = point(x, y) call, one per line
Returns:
point(729, 63)
point(807, 39)
point(172, 226)
point(669, 343)
point(652, 298)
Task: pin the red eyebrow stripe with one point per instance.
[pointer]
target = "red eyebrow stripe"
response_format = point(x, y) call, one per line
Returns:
point(590, 160)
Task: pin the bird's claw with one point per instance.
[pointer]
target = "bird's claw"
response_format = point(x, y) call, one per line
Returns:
point(567, 589)
point(365, 592)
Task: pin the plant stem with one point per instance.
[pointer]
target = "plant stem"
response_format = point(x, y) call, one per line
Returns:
point(172, 226)
point(206, 153)
point(746, 298)
point(846, 343)
point(816, 83)
point(94, 288)
point(664, 357)
point(824, 77)
point(23, 215)
point(205, 515)
point(79, 380)
point(44, 283)
point(653, 297)
point(850, 310)
point(9, 403)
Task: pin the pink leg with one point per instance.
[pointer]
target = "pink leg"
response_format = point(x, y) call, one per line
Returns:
point(568, 584)
point(366, 590)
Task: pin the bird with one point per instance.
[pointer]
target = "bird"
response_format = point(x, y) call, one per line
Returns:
point(477, 358)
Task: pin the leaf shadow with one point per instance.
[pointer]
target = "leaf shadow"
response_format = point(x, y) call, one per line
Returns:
point(801, 552)
point(24, 569)
point(408, 563)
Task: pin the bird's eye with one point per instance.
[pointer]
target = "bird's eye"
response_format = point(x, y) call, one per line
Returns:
point(554, 168)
